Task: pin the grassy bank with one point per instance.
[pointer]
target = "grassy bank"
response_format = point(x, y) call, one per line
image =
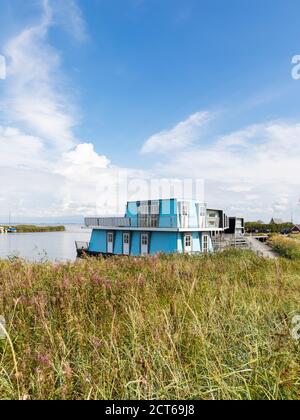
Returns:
point(174, 327)
point(286, 247)
point(37, 229)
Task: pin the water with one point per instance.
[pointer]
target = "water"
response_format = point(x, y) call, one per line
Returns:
point(51, 246)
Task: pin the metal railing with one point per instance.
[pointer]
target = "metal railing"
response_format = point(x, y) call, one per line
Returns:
point(108, 222)
point(82, 246)
point(133, 222)
point(148, 222)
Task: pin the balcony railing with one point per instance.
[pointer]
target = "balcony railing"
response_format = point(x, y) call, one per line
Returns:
point(120, 222)
point(133, 222)
point(148, 222)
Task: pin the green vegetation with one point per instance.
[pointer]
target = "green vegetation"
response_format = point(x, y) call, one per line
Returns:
point(36, 229)
point(175, 327)
point(272, 228)
point(286, 247)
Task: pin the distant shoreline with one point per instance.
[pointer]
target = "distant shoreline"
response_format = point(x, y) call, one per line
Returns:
point(36, 229)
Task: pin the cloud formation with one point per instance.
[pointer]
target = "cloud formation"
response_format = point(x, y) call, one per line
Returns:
point(182, 135)
point(48, 171)
point(47, 167)
point(254, 171)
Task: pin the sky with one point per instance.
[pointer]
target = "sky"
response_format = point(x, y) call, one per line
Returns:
point(100, 98)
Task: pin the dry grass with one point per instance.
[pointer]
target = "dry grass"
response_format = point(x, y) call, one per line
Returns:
point(215, 327)
point(286, 247)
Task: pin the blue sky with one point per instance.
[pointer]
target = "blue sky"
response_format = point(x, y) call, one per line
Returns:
point(163, 88)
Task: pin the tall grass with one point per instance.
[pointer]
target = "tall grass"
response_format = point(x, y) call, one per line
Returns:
point(169, 327)
point(286, 247)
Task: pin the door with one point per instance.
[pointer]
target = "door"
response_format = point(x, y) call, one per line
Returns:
point(126, 244)
point(145, 244)
point(110, 243)
point(184, 215)
point(205, 244)
point(188, 244)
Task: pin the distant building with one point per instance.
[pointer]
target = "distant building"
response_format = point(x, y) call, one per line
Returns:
point(236, 226)
point(158, 226)
point(275, 221)
point(295, 229)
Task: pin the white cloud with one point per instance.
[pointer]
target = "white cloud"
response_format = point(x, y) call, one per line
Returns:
point(35, 98)
point(182, 135)
point(255, 169)
point(69, 15)
point(45, 170)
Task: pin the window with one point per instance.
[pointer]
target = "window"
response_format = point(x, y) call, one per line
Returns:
point(184, 209)
point(202, 211)
point(188, 241)
point(154, 208)
point(126, 238)
point(148, 214)
point(205, 244)
point(145, 240)
point(212, 215)
point(110, 237)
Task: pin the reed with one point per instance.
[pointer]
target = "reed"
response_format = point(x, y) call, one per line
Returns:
point(167, 327)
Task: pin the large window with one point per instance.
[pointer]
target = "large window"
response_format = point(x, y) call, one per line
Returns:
point(148, 214)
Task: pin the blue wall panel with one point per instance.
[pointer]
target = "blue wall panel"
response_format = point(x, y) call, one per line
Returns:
point(164, 242)
point(98, 241)
point(118, 243)
point(160, 242)
point(196, 242)
point(135, 243)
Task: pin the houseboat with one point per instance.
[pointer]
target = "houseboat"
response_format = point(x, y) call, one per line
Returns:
point(157, 226)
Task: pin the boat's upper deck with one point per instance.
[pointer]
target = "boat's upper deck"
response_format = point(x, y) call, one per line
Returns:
point(174, 214)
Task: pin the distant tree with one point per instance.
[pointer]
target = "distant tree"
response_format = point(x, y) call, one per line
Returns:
point(257, 227)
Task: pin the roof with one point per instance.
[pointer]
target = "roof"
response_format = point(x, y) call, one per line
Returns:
point(277, 221)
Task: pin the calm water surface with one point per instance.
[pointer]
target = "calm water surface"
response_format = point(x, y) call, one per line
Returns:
point(52, 246)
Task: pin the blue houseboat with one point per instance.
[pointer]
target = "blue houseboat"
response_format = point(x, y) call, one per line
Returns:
point(156, 226)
